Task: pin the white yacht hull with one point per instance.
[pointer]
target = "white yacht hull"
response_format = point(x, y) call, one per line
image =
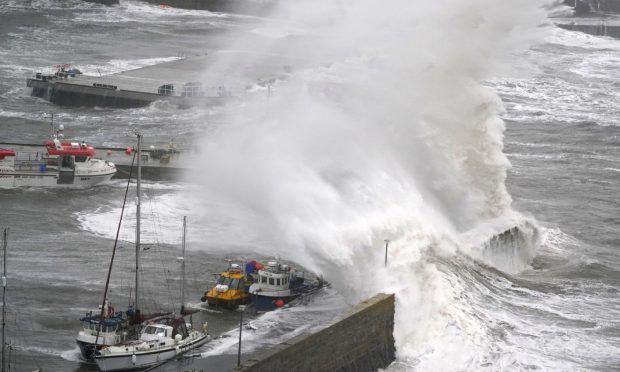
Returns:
point(49, 179)
point(136, 359)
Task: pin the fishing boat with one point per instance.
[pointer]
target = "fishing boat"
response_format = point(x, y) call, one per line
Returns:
point(277, 284)
point(232, 288)
point(100, 331)
point(59, 163)
point(161, 338)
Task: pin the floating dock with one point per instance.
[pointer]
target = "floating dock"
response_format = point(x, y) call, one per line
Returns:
point(206, 80)
point(176, 82)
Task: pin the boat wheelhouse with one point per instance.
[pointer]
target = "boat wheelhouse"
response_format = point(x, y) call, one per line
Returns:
point(97, 333)
point(275, 286)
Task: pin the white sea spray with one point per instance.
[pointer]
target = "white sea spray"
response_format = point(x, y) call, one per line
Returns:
point(384, 132)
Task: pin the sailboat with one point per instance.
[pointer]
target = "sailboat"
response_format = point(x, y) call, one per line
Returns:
point(107, 326)
point(162, 338)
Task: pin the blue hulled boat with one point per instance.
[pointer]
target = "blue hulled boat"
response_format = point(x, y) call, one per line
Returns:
point(276, 285)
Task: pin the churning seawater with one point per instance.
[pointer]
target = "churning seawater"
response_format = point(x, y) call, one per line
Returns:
point(390, 135)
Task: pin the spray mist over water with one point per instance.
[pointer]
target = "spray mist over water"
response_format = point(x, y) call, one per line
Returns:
point(384, 132)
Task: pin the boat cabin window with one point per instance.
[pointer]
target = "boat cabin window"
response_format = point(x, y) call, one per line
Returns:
point(234, 284)
point(271, 281)
point(278, 281)
point(68, 161)
point(80, 159)
point(154, 331)
point(94, 327)
point(263, 279)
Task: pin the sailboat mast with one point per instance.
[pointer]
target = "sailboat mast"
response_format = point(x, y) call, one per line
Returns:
point(183, 267)
point(138, 224)
point(4, 242)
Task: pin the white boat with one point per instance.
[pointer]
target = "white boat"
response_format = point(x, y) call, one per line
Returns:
point(106, 326)
point(277, 285)
point(58, 164)
point(160, 339)
point(97, 333)
point(158, 342)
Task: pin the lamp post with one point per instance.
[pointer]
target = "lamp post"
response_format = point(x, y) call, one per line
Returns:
point(241, 311)
point(387, 242)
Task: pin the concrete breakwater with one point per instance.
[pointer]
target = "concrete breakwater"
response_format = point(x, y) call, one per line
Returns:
point(597, 26)
point(249, 7)
point(104, 2)
point(72, 94)
point(361, 340)
point(583, 7)
point(173, 81)
point(600, 29)
point(594, 17)
point(201, 80)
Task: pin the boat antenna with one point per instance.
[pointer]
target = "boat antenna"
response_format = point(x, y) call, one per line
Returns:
point(118, 230)
point(183, 266)
point(4, 242)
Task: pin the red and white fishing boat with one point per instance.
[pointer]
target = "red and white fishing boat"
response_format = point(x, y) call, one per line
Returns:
point(58, 164)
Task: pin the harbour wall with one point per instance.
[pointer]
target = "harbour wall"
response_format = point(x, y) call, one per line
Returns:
point(249, 7)
point(592, 6)
point(151, 172)
point(79, 95)
point(66, 94)
point(104, 2)
point(361, 340)
point(598, 28)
